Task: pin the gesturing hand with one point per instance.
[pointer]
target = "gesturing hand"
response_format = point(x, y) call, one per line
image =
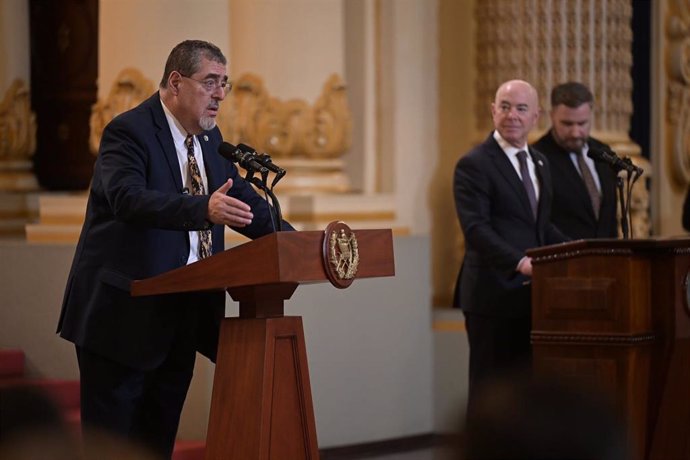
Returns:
point(226, 210)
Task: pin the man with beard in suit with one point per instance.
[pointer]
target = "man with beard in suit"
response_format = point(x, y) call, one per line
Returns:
point(584, 191)
point(160, 199)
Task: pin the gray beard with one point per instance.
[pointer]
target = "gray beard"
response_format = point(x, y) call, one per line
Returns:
point(207, 123)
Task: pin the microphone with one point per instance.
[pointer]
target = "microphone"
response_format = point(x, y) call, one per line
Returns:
point(613, 160)
point(262, 158)
point(245, 160)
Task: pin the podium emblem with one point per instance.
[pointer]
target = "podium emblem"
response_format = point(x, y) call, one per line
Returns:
point(340, 254)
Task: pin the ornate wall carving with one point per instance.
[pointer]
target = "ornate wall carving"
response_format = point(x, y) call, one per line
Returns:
point(548, 42)
point(288, 129)
point(308, 140)
point(64, 69)
point(17, 139)
point(130, 88)
point(677, 25)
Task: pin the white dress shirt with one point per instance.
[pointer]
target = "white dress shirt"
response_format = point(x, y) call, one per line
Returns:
point(179, 135)
point(511, 152)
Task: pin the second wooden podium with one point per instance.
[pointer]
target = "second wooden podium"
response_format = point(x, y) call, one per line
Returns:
point(261, 407)
point(616, 315)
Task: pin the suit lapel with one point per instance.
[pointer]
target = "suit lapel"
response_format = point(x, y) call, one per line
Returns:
point(574, 177)
point(507, 170)
point(165, 138)
point(209, 158)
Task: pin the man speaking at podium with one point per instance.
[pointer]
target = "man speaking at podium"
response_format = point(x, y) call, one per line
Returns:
point(160, 198)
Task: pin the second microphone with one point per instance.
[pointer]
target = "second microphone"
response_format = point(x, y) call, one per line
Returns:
point(245, 159)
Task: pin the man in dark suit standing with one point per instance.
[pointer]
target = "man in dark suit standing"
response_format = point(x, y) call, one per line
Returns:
point(503, 199)
point(584, 191)
point(160, 198)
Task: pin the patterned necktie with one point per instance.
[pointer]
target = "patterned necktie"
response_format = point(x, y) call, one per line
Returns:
point(590, 185)
point(205, 246)
point(527, 181)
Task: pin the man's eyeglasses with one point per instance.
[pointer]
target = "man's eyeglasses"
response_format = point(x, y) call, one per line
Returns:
point(211, 85)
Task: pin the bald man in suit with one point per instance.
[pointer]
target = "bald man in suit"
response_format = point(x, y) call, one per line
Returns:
point(503, 200)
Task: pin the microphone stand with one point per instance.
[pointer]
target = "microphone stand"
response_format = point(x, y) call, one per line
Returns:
point(618, 164)
point(624, 210)
point(261, 184)
point(625, 197)
point(635, 176)
point(251, 166)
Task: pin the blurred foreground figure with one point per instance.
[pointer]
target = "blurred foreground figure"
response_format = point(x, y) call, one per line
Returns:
point(529, 418)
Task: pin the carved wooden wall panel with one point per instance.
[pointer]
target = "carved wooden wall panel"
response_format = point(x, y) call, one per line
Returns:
point(64, 69)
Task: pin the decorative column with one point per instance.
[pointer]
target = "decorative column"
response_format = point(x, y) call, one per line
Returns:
point(548, 42)
point(18, 183)
point(672, 113)
point(17, 140)
point(17, 145)
point(64, 65)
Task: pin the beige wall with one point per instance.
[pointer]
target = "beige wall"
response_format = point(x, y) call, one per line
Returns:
point(408, 107)
point(14, 43)
point(140, 34)
point(456, 135)
point(294, 45)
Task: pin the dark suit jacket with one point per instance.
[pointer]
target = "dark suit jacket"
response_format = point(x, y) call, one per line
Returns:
point(136, 226)
point(499, 227)
point(572, 209)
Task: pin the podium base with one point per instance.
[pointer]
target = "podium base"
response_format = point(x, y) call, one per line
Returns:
point(261, 407)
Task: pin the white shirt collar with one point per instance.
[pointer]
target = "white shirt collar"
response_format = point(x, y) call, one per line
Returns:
point(509, 149)
point(178, 132)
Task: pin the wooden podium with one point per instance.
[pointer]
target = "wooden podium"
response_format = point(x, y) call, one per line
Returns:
point(615, 314)
point(261, 406)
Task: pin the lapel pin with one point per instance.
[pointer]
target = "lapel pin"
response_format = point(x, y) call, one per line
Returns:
point(205, 137)
point(538, 161)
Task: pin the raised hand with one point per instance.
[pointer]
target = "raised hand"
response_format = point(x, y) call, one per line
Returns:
point(226, 210)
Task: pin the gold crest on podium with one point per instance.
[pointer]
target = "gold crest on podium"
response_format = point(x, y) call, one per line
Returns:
point(340, 254)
